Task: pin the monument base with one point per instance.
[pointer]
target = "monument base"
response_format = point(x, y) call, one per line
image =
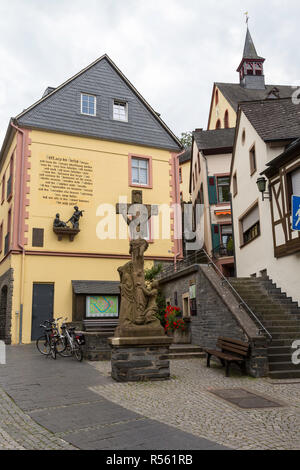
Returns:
point(96, 346)
point(140, 358)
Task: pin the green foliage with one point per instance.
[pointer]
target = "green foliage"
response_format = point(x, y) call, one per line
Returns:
point(151, 273)
point(186, 139)
point(229, 245)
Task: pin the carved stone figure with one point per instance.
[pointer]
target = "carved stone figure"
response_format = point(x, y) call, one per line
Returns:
point(75, 218)
point(138, 304)
point(58, 223)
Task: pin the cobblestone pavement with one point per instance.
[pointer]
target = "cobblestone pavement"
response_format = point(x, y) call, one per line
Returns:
point(46, 404)
point(19, 432)
point(186, 403)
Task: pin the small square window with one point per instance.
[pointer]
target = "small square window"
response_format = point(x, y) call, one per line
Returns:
point(120, 110)
point(88, 104)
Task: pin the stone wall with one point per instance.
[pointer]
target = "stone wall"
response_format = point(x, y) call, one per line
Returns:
point(6, 294)
point(213, 318)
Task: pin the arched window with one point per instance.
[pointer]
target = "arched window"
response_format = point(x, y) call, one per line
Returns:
point(217, 97)
point(226, 119)
point(218, 124)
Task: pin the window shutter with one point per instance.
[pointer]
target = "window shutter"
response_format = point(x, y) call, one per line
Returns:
point(212, 190)
point(215, 235)
point(250, 219)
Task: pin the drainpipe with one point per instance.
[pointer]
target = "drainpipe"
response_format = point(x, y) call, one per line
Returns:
point(176, 221)
point(206, 166)
point(21, 246)
point(233, 238)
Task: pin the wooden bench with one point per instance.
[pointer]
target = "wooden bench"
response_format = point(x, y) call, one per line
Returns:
point(231, 351)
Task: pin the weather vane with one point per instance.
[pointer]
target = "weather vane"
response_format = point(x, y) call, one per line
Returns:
point(247, 16)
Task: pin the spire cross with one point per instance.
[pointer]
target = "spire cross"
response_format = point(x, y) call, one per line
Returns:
point(247, 17)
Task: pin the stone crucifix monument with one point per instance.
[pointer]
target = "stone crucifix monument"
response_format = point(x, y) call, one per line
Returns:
point(139, 347)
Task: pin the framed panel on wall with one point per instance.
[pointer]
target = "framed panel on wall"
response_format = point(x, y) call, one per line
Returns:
point(102, 306)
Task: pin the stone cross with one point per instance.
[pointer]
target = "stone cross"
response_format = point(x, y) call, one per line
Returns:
point(136, 214)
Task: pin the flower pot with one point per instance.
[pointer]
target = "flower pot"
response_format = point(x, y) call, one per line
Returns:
point(182, 337)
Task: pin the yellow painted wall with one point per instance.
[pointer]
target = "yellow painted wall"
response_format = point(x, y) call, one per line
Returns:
point(185, 185)
point(4, 208)
point(110, 167)
point(218, 112)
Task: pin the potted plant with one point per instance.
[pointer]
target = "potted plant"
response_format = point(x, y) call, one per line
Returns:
point(175, 326)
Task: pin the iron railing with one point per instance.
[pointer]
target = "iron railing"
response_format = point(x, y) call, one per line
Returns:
point(222, 250)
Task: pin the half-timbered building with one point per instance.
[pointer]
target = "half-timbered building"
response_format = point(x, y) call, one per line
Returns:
point(267, 145)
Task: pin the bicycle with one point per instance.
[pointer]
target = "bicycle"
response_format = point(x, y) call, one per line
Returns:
point(51, 342)
point(73, 342)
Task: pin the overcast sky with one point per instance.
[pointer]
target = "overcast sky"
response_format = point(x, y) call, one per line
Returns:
point(171, 50)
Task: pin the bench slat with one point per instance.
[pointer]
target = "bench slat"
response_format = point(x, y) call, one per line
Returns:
point(229, 357)
point(232, 349)
point(236, 341)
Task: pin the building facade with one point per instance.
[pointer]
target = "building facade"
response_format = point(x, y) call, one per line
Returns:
point(266, 144)
point(209, 186)
point(91, 143)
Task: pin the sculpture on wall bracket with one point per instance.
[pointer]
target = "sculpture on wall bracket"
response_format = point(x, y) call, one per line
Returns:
point(138, 303)
point(61, 228)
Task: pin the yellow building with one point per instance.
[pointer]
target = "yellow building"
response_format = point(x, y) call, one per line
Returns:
point(93, 142)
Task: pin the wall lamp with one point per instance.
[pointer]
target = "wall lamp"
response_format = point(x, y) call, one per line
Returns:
point(262, 184)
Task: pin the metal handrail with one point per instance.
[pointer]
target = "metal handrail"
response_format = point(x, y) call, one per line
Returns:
point(237, 294)
point(222, 250)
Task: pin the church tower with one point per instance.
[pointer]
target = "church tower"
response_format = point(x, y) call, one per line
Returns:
point(251, 67)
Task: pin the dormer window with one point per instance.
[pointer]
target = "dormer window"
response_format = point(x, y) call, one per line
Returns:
point(88, 104)
point(120, 110)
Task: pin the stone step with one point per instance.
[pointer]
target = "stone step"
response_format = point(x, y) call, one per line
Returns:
point(292, 335)
point(278, 342)
point(280, 357)
point(266, 301)
point(279, 350)
point(273, 366)
point(283, 329)
point(187, 355)
point(281, 323)
point(179, 348)
point(281, 316)
point(285, 374)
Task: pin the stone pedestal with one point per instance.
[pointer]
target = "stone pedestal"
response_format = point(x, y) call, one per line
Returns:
point(96, 346)
point(140, 358)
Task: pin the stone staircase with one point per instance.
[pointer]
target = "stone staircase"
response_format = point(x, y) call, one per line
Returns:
point(185, 351)
point(279, 315)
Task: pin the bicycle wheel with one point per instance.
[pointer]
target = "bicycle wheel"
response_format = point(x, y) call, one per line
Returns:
point(67, 352)
point(53, 350)
point(78, 353)
point(60, 345)
point(43, 345)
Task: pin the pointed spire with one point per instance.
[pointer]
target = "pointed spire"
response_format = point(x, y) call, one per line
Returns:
point(249, 48)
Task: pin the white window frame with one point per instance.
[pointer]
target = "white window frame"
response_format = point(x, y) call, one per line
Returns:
point(117, 102)
point(148, 170)
point(95, 107)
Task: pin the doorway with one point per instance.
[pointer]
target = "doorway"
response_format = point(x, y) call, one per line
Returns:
point(42, 307)
point(3, 312)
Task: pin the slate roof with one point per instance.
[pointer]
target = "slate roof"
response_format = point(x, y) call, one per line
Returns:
point(96, 287)
point(273, 120)
point(235, 93)
point(186, 156)
point(249, 48)
point(59, 110)
point(215, 140)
